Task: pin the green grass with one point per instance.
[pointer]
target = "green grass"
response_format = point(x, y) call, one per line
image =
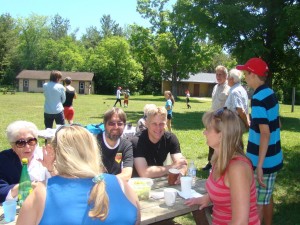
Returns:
point(188, 128)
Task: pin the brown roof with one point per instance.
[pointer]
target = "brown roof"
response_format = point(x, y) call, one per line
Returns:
point(45, 75)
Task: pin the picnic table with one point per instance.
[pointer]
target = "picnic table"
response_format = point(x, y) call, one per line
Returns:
point(155, 210)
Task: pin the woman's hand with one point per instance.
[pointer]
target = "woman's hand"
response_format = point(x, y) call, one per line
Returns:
point(48, 157)
point(201, 201)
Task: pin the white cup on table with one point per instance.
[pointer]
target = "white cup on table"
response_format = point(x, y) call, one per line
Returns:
point(170, 196)
point(186, 186)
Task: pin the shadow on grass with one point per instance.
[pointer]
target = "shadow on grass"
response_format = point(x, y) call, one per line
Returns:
point(290, 124)
point(287, 183)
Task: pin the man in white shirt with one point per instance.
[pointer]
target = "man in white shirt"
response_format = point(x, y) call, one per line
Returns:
point(219, 96)
point(237, 100)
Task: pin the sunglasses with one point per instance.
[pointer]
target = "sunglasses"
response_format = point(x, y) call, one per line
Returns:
point(22, 143)
point(67, 125)
point(112, 124)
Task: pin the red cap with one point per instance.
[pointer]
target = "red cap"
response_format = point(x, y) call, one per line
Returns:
point(256, 66)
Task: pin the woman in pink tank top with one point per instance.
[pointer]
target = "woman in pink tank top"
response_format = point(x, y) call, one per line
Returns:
point(231, 184)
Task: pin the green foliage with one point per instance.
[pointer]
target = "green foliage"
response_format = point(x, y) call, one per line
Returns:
point(114, 66)
point(267, 29)
point(180, 48)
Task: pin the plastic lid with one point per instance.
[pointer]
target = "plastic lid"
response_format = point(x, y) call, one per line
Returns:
point(25, 161)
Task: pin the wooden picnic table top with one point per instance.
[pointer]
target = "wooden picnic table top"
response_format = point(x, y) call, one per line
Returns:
point(155, 210)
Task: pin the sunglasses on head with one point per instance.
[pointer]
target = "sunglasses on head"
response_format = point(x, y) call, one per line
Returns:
point(67, 125)
point(22, 143)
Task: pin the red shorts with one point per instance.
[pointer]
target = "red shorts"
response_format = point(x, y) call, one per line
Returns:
point(69, 113)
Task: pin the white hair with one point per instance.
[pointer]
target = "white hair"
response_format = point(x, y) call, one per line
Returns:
point(14, 128)
point(236, 75)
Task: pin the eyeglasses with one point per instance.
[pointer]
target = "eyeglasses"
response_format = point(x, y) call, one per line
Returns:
point(112, 124)
point(22, 143)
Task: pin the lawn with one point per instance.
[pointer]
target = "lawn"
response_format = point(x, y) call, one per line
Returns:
point(188, 128)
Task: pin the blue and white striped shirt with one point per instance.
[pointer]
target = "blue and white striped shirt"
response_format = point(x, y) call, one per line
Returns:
point(265, 110)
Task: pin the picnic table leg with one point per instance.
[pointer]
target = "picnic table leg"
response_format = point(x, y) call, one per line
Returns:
point(200, 217)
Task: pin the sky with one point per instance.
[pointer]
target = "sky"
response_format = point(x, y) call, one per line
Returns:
point(81, 13)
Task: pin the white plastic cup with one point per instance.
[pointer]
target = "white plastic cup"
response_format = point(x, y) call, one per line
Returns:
point(9, 208)
point(186, 186)
point(170, 196)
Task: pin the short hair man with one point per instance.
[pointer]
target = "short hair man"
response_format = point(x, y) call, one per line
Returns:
point(151, 147)
point(237, 100)
point(55, 96)
point(264, 149)
point(219, 96)
point(116, 151)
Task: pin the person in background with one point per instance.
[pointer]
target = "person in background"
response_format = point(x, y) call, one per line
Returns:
point(81, 192)
point(22, 135)
point(126, 97)
point(169, 107)
point(231, 183)
point(264, 148)
point(116, 151)
point(237, 100)
point(219, 97)
point(151, 147)
point(55, 96)
point(187, 95)
point(118, 96)
point(68, 104)
point(141, 124)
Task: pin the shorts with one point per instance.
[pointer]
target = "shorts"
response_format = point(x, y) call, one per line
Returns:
point(264, 194)
point(69, 113)
point(169, 116)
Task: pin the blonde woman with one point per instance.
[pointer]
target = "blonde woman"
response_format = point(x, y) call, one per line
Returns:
point(169, 107)
point(80, 193)
point(231, 184)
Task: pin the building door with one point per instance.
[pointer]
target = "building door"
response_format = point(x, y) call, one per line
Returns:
point(81, 87)
point(196, 90)
point(25, 85)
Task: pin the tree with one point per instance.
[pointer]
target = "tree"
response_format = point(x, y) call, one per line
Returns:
point(269, 29)
point(142, 47)
point(109, 27)
point(92, 37)
point(114, 66)
point(59, 27)
point(32, 30)
point(64, 54)
point(8, 46)
point(180, 47)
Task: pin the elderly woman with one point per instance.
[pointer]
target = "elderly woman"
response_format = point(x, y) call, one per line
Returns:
point(22, 136)
point(80, 192)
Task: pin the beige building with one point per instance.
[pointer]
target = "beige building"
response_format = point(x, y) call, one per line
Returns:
point(33, 80)
point(199, 85)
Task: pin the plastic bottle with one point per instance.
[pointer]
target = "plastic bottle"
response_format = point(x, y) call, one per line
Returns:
point(25, 187)
point(192, 172)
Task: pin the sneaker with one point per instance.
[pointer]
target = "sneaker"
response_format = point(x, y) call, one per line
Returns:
point(207, 167)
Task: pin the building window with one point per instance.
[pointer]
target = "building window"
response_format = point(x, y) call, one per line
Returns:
point(40, 83)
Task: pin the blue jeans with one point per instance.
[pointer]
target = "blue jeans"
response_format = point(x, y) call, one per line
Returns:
point(49, 118)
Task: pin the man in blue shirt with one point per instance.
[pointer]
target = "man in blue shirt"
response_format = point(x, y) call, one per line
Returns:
point(264, 148)
point(55, 96)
